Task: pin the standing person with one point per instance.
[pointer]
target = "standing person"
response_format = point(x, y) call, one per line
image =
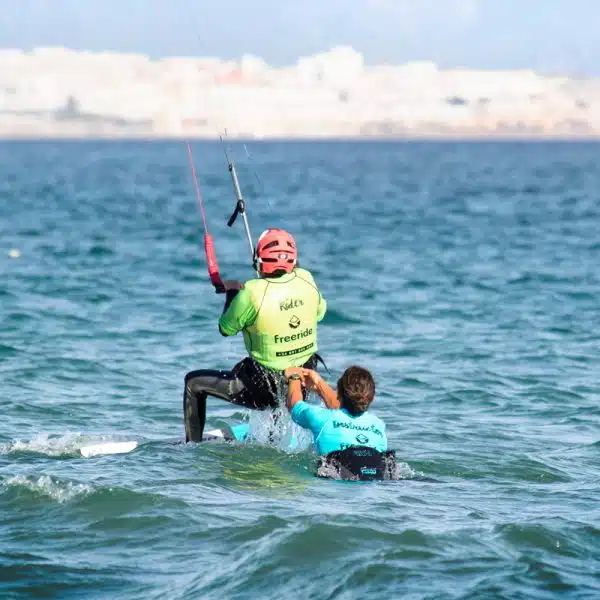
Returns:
point(350, 439)
point(278, 314)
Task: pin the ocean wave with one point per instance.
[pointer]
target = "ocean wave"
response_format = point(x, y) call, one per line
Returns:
point(55, 446)
point(46, 444)
point(47, 487)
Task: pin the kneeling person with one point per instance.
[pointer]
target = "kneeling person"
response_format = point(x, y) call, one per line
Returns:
point(278, 315)
point(347, 436)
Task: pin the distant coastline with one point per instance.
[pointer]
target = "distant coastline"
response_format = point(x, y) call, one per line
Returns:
point(484, 137)
point(56, 93)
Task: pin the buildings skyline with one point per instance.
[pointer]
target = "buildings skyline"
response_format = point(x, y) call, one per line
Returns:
point(57, 92)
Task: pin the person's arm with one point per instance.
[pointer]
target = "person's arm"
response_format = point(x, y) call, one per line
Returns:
point(294, 377)
point(231, 291)
point(313, 381)
point(303, 414)
point(239, 311)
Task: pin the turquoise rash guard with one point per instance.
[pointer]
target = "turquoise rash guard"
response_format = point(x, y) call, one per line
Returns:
point(336, 429)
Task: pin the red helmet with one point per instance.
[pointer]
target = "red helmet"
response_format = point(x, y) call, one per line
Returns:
point(276, 251)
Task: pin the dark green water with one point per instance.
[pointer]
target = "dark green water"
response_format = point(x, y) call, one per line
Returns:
point(466, 276)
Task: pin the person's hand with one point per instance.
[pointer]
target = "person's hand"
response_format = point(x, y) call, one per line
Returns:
point(232, 284)
point(287, 373)
point(311, 379)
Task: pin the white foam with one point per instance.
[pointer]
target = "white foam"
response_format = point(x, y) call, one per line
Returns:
point(68, 444)
point(59, 491)
point(405, 471)
point(44, 444)
point(284, 434)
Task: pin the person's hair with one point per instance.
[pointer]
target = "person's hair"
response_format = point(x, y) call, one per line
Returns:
point(356, 390)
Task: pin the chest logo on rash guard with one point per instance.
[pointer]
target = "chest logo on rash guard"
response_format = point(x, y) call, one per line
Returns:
point(290, 303)
point(294, 322)
point(362, 439)
point(294, 337)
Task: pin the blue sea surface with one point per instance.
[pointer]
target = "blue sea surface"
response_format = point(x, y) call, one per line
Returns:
point(465, 275)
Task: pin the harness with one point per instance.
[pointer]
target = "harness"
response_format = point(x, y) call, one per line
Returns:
point(358, 463)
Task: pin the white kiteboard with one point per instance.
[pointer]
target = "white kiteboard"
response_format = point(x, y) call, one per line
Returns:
point(107, 448)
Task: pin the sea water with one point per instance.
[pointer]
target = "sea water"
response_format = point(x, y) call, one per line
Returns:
point(465, 276)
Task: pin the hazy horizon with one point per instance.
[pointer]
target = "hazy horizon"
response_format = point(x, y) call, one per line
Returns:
point(557, 37)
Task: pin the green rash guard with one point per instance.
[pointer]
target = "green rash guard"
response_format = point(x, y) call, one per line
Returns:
point(278, 317)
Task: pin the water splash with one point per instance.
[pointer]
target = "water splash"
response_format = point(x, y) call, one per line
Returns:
point(46, 444)
point(69, 444)
point(59, 491)
point(276, 428)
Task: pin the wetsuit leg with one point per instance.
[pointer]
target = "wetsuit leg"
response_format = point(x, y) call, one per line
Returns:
point(261, 385)
point(198, 385)
point(247, 384)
